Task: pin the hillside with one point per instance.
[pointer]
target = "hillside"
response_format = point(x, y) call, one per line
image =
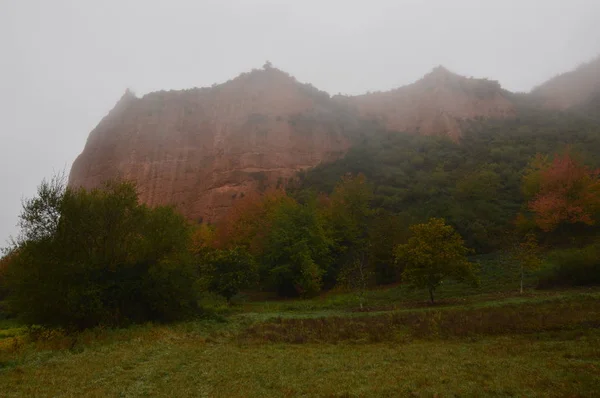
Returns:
point(475, 184)
point(571, 89)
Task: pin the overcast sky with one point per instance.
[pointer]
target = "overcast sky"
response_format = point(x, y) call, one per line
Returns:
point(64, 63)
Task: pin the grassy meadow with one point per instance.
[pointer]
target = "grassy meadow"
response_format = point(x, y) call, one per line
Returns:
point(485, 341)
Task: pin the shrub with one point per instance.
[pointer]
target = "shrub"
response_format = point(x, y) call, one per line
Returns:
point(3, 287)
point(572, 267)
point(296, 251)
point(4, 310)
point(105, 259)
point(228, 271)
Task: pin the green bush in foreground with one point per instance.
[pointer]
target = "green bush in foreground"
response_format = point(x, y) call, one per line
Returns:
point(228, 271)
point(99, 257)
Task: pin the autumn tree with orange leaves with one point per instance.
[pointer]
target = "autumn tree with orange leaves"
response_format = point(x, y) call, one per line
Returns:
point(247, 223)
point(286, 238)
point(561, 191)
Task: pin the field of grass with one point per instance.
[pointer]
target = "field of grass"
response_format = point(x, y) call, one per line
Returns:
point(489, 341)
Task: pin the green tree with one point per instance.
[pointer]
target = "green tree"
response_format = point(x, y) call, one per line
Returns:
point(297, 250)
point(480, 185)
point(105, 260)
point(348, 214)
point(41, 214)
point(229, 271)
point(386, 231)
point(532, 175)
point(3, 286)
point(434, 253)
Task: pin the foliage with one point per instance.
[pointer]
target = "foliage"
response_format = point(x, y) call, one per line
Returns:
point(3, 267)
point(248, 223)
point(40, 216)
point(564, 192)
point(435, 252)
point(228, 271)
point(347, 214)
point(203, 237)
point(288, 239)
point(532, 175)
point(475, 184)
point(296, 251)
point(572, 267)
point(386, 231)
point(4, 311)
point(109, 260)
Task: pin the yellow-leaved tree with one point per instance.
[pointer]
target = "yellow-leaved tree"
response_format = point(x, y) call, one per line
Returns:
point(435, 252)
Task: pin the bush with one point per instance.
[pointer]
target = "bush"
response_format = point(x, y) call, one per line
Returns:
point(296, 251)
point(3, 286)
point(228, 271)
point(572, 267)
point(105, 259)
point(4, 310)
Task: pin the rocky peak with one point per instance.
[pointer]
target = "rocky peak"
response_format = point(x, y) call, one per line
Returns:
point(439, 74)
point(436, 104)
point(126, 100)
point(203, 148)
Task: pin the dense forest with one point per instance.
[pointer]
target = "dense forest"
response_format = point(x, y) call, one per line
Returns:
point(475, 183)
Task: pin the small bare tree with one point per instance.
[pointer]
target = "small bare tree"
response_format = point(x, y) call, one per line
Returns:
point(527, 253)
point(356, 277)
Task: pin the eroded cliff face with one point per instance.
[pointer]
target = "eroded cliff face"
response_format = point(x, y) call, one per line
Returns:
point(436, 104)
point(201, 149)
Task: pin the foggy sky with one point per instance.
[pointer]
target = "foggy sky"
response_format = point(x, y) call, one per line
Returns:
point(64, 64)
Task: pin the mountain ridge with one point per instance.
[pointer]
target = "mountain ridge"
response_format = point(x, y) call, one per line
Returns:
point(201, 149)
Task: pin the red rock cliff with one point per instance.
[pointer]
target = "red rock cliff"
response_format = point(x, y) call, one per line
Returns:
point(436, 104)
point(200, 149)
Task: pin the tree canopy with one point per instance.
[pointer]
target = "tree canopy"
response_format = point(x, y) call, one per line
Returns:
point(101, 258)
point(562, 191)
point(433, 253)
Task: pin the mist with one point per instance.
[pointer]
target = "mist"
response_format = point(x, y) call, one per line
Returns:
point(65, 63)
